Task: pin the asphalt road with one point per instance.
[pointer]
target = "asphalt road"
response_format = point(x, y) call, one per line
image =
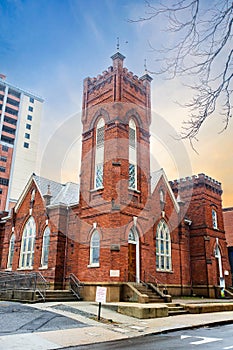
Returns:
point(214, 338)
point(18, 318)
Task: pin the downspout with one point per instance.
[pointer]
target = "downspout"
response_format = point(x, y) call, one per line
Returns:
point(66, 247)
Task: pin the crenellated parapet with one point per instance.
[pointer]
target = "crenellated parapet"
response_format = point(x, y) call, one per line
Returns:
point(196, 181)
point(117, 84)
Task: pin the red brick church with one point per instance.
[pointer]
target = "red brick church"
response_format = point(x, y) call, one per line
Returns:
point(122, 224)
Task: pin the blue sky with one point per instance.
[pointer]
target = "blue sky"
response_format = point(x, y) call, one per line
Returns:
point(49, 47)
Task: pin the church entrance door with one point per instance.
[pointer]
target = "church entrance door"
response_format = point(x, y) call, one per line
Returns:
point(131, 262)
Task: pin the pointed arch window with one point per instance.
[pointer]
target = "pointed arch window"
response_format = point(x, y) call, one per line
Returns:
point(11, 251)
point(163, 247)
point(132, 155)
point(27, 244)
point(95, 249)
point(45, 248)
point(99, 157)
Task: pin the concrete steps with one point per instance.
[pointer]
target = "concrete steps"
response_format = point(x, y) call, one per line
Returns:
point(58, 295)
point(153, 297)
point(176, 309)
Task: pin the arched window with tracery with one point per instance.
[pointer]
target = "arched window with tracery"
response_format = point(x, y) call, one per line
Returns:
point(132, 155)
point(27, 244)
point(99, 156)
point(163, 247)
point(45, 247)
point(11, 251)
point(95, 249)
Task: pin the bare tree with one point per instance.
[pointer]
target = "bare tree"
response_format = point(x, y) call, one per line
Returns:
point(202, 52)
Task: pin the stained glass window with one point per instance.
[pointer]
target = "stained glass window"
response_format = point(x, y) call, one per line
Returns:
point(132, 155)
point(27, 244)
point(132, 177)
point(45, 247)
point(163, 247)
point(99, 157)
point(99, 175)
point(11, 252)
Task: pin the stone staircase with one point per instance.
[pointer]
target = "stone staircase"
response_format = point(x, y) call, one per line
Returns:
point(57, 295)
point(152, 295)
point(176, 309)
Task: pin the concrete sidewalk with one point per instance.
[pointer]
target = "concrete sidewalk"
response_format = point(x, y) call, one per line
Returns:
point(113, 326)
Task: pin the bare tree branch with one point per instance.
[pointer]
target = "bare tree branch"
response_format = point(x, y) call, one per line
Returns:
point(202, 52)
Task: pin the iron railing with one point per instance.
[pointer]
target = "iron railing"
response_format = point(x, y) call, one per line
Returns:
point(75, 286)
point(32, 281)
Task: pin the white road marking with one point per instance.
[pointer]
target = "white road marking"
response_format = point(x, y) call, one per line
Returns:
point(228, 347)
point(185, 337)
point(203, 340)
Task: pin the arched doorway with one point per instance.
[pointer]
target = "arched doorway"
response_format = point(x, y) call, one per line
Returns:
point(133, 256)
point(219, 263)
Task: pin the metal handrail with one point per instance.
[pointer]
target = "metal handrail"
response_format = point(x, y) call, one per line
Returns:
point(154, 284)
point(24, 281)
point(154, 280)
point(75, 285)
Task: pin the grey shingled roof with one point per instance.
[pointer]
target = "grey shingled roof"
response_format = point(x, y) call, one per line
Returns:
point(155, 176)
point(66, 194)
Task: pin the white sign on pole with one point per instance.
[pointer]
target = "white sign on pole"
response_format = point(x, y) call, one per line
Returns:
point(101, 293)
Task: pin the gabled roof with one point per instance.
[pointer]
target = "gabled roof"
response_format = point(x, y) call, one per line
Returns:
point(43, 183)
point(68, 195)
point(65, 194)
point(155, 178)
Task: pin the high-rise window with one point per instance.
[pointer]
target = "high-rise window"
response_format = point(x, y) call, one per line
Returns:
point(45, 247)
point(27, 244)
point(95, 249)
point(30, 109)
point(163, 247)
point(99, 156)
point(132, 155)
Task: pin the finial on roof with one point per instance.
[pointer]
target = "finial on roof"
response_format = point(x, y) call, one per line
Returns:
point(48, 196)
point(48, 191)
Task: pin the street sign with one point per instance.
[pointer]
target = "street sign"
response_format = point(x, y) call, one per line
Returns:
point(101, 293)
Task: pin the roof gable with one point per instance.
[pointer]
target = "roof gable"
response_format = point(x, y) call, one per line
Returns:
point(155, 178)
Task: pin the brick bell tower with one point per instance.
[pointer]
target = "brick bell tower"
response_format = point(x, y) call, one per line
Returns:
point(115, 172)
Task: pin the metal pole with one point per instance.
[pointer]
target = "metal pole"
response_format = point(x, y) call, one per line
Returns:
point(99, 311)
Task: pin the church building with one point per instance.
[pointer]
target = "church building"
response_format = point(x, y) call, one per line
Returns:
point(122, 225)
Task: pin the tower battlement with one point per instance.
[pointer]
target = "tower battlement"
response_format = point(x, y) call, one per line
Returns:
point(117, 84)
point(200, 180)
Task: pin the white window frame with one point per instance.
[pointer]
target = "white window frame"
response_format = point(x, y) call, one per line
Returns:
point(11, 252)
point(95, 246)
point(26, 260)
point(45, 247)
point(163, 247)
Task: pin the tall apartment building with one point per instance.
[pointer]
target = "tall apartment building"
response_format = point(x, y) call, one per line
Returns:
point(20, 114)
